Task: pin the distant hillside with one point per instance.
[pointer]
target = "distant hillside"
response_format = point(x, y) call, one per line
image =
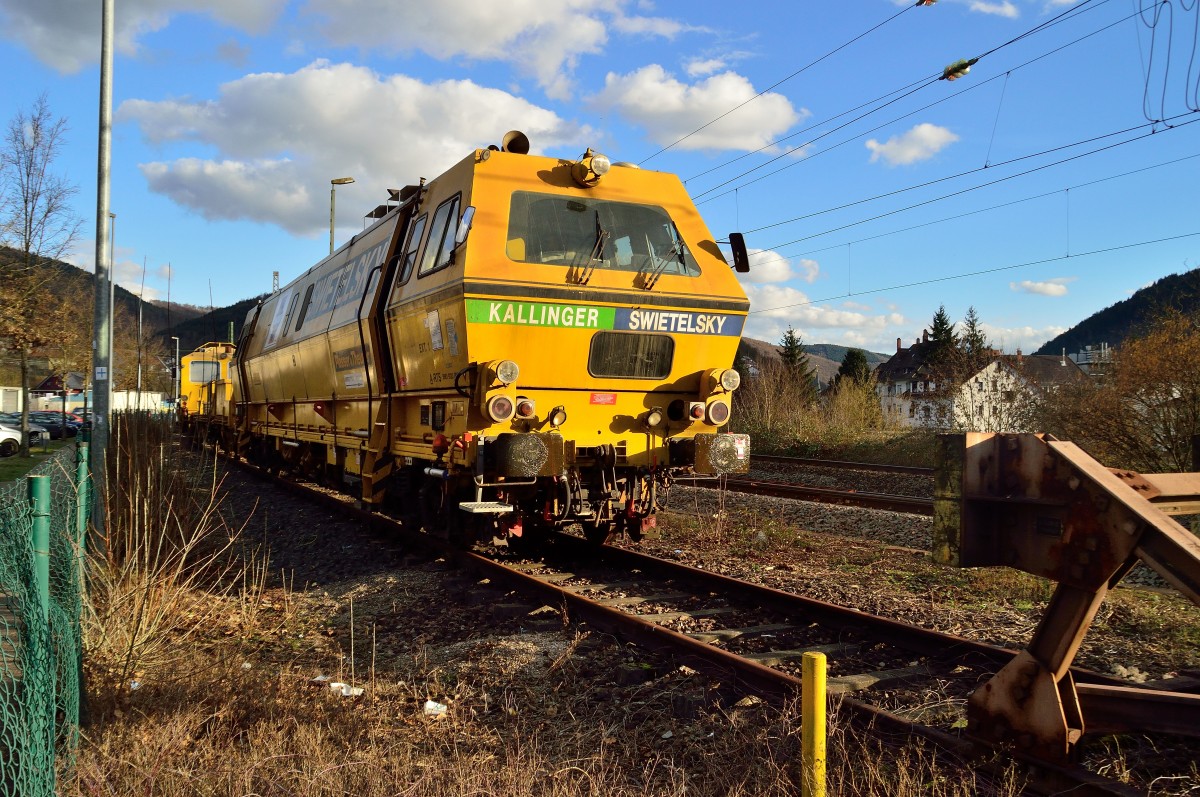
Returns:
point(1114, 324)
point(212, 326)
point(69, 280)
point(831, 351)
point(827, 368)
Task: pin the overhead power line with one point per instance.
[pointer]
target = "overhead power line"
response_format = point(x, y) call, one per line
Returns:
point(1153, 131)
point(928, 81)
point(981, 272)
point(782, 257)
point(779, 83)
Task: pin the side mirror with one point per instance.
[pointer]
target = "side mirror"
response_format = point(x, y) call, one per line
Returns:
point(741, 259)
point(464, 225)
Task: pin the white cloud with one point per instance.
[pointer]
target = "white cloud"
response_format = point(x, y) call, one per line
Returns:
point(768, 266)
point(775, 307)
point(1053, 287)
point(921, 143)
point(544, 40)
point(233, 53)
point(63, 33)
point(1026, 338)
point(700, 67)
point(670, 109)
point(281, 137)
point(651, 26)
point(1003, 9)
point(128, 274)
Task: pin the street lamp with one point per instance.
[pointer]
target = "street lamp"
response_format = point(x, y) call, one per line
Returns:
point(175, 381)
point(333, 184)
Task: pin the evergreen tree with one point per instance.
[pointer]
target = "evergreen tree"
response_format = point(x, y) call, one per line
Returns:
point(855, 367)
point(943, 340)
point(795, 362)
point(975, 346)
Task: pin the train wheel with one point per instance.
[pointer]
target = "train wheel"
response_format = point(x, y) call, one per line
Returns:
point(532, 541)
point(599, 533)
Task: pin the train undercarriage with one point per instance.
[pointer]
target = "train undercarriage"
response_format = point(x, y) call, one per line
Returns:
point(511, 489)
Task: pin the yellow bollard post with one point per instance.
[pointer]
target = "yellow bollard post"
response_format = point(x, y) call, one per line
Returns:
point(812, 725)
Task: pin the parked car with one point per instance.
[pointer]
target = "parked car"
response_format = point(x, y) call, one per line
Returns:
point(10, 441)
point(9, 432)
point(55, 424)
point(37, 432)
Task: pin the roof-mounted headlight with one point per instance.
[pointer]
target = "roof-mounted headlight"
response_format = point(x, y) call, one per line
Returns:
point(588, 170)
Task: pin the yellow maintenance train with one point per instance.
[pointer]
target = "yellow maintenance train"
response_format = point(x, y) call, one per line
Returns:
point(520, 344)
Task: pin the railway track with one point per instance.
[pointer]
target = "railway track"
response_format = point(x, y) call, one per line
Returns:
point(840, 465)
point(753, 636)
point(918, 505)
point(823, 495)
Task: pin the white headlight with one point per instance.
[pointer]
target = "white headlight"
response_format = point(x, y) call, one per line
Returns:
point(730, 379)
point(507, 371)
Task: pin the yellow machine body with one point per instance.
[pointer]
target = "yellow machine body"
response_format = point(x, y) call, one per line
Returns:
point(519, 342)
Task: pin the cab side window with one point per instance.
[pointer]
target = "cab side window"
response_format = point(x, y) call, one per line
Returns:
point(441, 238)
point(414, 243)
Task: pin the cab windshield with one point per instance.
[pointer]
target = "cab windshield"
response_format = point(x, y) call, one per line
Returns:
point(571, 231)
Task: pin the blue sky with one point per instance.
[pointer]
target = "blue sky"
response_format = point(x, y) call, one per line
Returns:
point(1053, 180)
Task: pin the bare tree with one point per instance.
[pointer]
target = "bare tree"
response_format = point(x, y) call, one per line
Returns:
point(1144, 412)
point(39, 223)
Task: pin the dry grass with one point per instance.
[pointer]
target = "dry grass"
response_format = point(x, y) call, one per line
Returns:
point(225, 657)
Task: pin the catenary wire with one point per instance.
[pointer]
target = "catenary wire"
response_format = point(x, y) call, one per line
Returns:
point(935, 77)
point(778, 83)
point(782, 257)
point(898, 191)
point(698, 196)
point(981, 272)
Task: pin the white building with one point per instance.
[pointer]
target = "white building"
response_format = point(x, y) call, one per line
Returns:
point(996, 398)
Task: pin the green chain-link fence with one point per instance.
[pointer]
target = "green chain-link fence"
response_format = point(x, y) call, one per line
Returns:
point(40, 653)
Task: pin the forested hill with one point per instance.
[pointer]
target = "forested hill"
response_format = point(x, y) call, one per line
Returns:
point(1128, 317)
point(214, 325)
point(72, 282)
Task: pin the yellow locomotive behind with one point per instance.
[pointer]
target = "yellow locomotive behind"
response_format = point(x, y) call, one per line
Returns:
point(519, 344)
point(205, 385)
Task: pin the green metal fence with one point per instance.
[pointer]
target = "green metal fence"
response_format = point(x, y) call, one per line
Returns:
point(42, 518)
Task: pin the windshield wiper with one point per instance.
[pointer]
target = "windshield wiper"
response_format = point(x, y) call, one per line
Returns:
point(597, 252)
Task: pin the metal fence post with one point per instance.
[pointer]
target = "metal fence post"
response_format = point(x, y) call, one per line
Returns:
point(82, 505)
point(39, 498)
point(83, 486)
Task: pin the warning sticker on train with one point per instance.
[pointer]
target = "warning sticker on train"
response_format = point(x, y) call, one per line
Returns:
point(541, 314)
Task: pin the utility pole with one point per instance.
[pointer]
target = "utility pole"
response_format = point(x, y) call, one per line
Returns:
point(102, 342)
point(175, 385)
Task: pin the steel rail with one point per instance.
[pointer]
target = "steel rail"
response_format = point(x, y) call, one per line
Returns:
point(879, 467)
point(912, 505)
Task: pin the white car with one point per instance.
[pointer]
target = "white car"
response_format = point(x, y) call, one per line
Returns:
point(10, 438)
point(10, 441)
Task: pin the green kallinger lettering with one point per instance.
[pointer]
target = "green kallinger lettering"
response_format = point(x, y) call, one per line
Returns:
point(540, 314)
